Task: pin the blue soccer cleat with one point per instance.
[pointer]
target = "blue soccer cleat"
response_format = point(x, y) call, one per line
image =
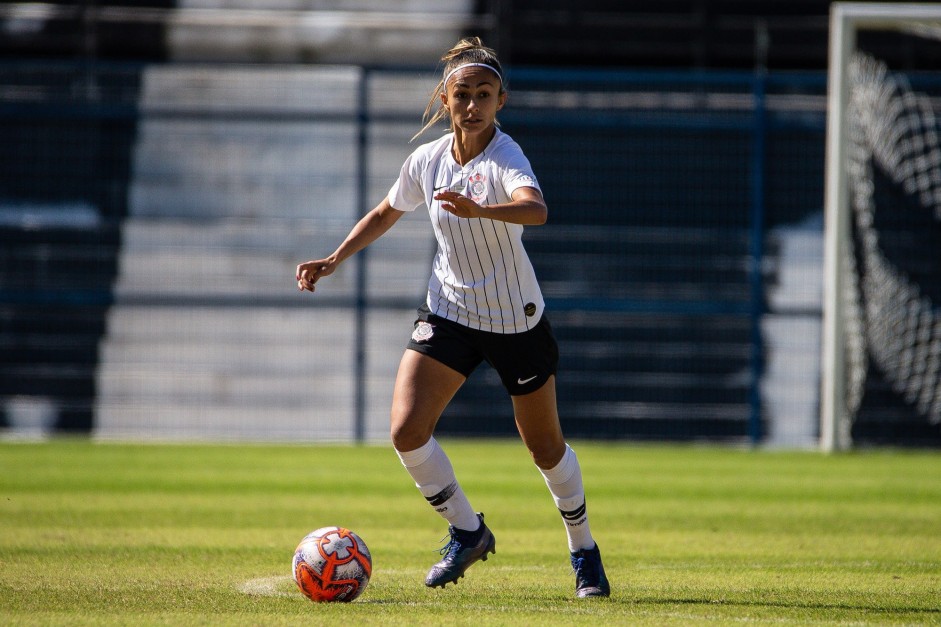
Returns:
point(590, 580)
point(463, 549)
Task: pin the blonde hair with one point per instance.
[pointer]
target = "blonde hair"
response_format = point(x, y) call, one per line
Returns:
point(470, 50)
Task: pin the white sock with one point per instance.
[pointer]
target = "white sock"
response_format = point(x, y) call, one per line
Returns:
point(565, 483)
point(434, 476)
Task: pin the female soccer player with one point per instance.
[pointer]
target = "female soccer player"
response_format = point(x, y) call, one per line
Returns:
point(483, 303)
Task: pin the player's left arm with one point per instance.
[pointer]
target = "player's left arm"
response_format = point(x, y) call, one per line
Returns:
point(527, 207)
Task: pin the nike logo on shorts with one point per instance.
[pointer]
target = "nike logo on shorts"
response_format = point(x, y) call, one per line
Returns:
point(525, 381)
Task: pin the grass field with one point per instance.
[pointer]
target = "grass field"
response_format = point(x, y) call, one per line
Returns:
point(101, 534)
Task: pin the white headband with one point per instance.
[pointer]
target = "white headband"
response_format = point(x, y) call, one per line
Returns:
point(461, 67)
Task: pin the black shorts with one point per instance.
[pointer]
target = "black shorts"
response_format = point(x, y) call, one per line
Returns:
point(524, 361)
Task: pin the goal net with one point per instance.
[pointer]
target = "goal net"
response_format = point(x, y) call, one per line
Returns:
point(881, 368)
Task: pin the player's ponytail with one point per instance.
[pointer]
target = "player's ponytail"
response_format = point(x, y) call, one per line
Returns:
point(468, 50)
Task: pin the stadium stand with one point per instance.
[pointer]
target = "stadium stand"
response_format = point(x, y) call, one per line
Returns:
point(65, 170)
point(118, 307)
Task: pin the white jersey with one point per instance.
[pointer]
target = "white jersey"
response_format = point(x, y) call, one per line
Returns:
point(482, 276)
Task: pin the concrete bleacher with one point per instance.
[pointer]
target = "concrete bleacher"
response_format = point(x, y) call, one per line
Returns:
point(653, 344)
point(209, 337)
point(403, 32)
point(55, 282)
point(241, 170)
point(62, 185)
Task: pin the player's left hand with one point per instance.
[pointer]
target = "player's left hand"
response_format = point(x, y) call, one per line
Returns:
point(458, 204)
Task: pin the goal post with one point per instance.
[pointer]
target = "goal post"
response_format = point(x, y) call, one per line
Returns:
point(847, 19)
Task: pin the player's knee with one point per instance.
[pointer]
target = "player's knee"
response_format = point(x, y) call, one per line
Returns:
point(406, 437)
point(547, 454)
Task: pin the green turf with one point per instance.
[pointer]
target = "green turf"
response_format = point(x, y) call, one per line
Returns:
point(101, 534)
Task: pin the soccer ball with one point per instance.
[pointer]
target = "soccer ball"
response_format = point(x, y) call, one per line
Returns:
point(332, 564)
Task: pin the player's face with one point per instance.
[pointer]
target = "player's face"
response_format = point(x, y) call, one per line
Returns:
point(473, 97)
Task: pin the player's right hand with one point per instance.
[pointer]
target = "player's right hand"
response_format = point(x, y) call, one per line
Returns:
point(310, 271)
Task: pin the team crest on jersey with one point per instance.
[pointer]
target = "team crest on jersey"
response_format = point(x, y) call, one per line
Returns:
point(423, 331)
point(477, 187)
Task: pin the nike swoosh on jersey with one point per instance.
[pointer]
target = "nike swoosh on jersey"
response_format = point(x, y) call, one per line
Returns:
point(525, 381)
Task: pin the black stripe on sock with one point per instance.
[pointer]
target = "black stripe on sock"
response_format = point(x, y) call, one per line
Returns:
point(574, 514)
point(442, 496)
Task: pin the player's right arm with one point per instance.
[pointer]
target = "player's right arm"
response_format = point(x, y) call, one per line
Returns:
point(367, 230)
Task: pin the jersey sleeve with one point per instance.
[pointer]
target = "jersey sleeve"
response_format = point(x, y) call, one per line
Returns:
point(406, 193)
point(515, 170)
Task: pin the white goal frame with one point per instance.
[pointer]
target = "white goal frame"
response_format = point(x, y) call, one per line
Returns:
point(846, 19)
